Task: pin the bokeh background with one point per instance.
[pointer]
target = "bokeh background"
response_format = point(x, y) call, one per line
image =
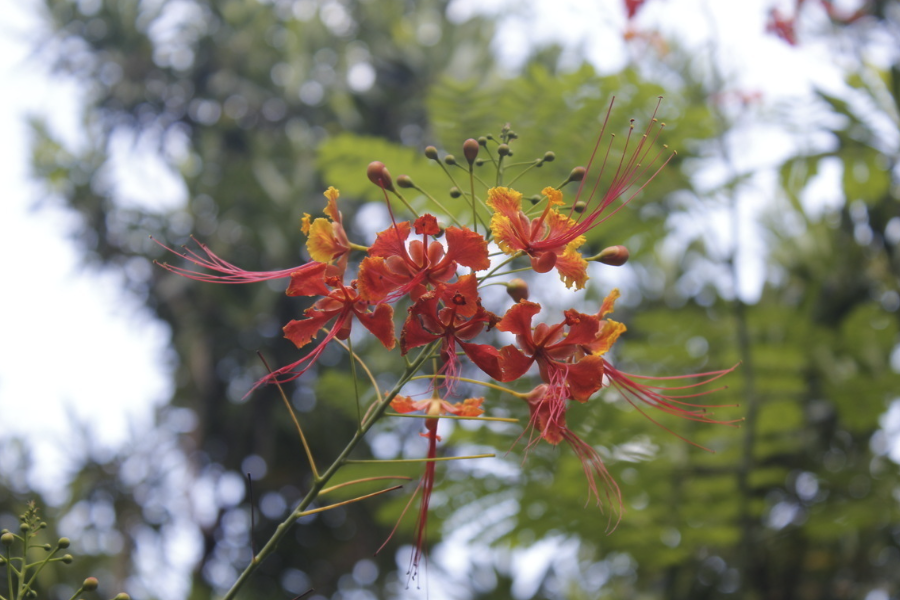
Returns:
point(772, 240)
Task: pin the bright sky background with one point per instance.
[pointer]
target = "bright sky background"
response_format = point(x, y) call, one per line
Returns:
point(75, 346)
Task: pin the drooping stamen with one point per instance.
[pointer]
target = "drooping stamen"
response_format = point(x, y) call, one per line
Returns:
point(230, 273)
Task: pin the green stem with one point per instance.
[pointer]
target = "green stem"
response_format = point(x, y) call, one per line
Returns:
point(500, 266)
point(319, 483)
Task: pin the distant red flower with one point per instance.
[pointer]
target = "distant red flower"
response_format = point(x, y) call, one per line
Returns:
point(632, 7)
point(391, 271)
point(782, 26)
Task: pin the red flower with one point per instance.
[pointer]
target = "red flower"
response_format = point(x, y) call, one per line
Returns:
point(548, 416)
point(340, 303)
point(554, 349)
point(390, 271)
point(458, 322)
point(328, 241)
point(434, 407)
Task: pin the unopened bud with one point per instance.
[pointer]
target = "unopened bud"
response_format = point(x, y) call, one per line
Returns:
point(122, 596)
point(479, 162)
point(7, 539)
point(503, 150)
point(615, 256)
point(535, 198)
point(405, 181)
point(450, 159)
point(90, 584)
point(431, 153)
point(63, 543)
point(47, 547)
point(549, 156)
point(517, 289)
point(67, 559)
point(579, 206)
point(24, 527)
point(577, 174)
point(454, 192)
point(378, 174)
point(470, 150)
point(482, 141)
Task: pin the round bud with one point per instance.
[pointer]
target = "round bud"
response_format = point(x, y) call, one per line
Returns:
point(454, 192)
point(7, 539)
point(47, 547)
point(31, 594)
point(90, 584)
point(503, 150)
point(513, 135)
point(378, 174)
point(470, 150)
point(450, 159)
point(431, 153)
point(122, 596)
point(579, 206)
point(535, 198)
point(577, 174)
point(43, 525)
point(482, 141)
point(549, 156)
point(517, 289)
point(615, 256)
point(479, 162)
point(67, 559)
point(63, 543)
point(405, 181)
point(24, 527)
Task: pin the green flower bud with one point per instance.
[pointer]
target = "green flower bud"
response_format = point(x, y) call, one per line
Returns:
point(450, 159)
point(454, 192)
point(67, 559)
point(479, 162)
point(24, 527)
point(63, 543)
point(47, 547)
point(431, 153)
point(535, 198)
point(482, 141)
point(90, 584)
point(579, 206)
point(503, 150)
point(549, 156)
point(577, 174)
point(405, 181)
point(7, 539)
point(122, 596)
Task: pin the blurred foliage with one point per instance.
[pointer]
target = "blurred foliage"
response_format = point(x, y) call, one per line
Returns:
point(258, 106)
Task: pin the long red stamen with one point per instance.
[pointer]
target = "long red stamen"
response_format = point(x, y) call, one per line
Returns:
point(231, 273)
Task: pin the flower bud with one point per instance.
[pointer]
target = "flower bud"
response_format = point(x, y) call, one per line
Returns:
point(482, 141)
point(479, 162)
point(503, 150)
point(577, 174)
point(517, 289)
point(579, 206)
point(549, 157)
point(63, 543)
point(615, 256)
point(450, 159)
point(431, 153)
point(535, 198)
point(378, 174)
point(90, 584)
point(67, 559)
point(122, 596)
point(24, 527)
point(7, 539)
point(454, 192)
point(470, 150)
point(405, 181)
point(47, 547)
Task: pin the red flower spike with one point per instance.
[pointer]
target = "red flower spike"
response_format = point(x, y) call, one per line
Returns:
point(434, 407)
point(229, 273)
point(548, 416)
point(553, 349)
point(392, 271)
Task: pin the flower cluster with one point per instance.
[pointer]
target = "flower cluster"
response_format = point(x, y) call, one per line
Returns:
point(437, 274)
